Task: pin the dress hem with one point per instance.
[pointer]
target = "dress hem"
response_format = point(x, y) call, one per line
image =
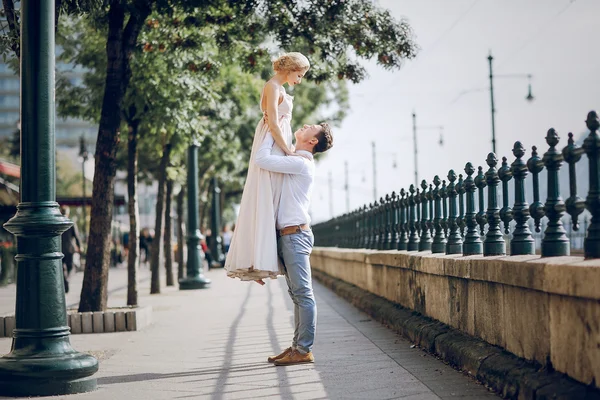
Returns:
point(251, 274)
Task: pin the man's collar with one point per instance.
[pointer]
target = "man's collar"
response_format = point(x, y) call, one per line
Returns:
point(306, 154)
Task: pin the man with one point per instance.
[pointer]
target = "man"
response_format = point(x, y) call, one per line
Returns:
point(294, 236)
point(71, 244)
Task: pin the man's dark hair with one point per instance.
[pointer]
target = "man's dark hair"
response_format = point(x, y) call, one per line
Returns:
point(325, 139)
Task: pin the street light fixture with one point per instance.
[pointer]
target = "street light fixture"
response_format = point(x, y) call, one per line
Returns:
point(529, 97)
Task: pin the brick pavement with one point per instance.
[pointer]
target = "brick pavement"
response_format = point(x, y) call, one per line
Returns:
point(213, 344)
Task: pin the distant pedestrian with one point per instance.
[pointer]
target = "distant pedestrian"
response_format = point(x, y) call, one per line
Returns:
point(227, 235)
point(71, 244)
point(144, 245)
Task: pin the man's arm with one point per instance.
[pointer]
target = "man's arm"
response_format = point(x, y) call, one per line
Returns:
point(283, 164)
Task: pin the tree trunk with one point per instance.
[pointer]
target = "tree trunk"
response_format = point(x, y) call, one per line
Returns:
point(133, 259)
point(158, 226)
point(168, 236)
point(14, 26)
point(119, 47)
point(180, 233)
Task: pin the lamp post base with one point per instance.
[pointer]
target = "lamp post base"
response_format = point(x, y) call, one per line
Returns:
point(48, 387)
point(197, 282)
point(67, 373)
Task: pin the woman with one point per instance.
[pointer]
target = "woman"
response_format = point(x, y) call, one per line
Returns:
point(253, 251)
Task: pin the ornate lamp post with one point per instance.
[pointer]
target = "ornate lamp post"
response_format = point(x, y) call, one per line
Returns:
point(42, 361)
point(195, 277)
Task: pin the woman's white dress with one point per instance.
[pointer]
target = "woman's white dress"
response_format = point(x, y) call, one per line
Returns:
point(253, 251)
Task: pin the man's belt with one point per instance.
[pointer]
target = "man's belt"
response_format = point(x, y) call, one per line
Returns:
point(288, 230)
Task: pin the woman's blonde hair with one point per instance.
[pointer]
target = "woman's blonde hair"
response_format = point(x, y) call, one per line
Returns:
point(291, 62)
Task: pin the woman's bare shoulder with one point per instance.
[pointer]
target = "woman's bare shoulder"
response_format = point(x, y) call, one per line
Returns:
point(272, 86)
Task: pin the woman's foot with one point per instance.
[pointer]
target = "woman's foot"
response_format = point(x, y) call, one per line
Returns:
point(260, 282)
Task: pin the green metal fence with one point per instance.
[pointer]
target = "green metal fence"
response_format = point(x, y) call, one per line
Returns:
point(451, 216)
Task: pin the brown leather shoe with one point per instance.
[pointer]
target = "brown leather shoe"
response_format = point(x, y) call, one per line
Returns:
point(277, 357)
point(295, 357)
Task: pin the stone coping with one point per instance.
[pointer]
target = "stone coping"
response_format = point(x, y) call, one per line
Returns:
point(510, 376)
point(119, 319)
point(568, 276)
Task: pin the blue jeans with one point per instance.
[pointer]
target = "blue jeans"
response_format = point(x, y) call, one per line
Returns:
point(294, 250)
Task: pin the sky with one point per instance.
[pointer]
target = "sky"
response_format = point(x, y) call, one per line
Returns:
point(556, 41)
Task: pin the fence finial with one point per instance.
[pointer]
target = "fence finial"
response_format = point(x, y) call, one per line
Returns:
point(522, 242)
point(555, 241)
point(575, 204)
point(460, 190)
point(506, 213)
point(455, 244)
point(439, 240)
point(395, 221)
point(403, 240)
point(473, 244)
point(413, 238)
point(382, 228)
point(493, 244)
point(481, 218)
point(591, 145)
point(425, 242)
point(536, 209)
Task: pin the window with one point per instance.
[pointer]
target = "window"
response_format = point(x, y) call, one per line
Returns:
point(7, 101)
point(9, 84)
point(9, 117)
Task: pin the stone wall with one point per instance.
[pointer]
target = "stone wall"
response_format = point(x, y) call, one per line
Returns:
point(542, 309)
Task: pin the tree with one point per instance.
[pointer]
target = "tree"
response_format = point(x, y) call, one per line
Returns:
point(334, 34)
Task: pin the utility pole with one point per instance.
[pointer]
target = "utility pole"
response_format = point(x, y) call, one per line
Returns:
point(374, 173)
point(414, 119)
point(330, 195)
point(347, 187)
point(490, 59)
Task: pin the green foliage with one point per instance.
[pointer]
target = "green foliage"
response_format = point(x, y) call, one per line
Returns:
point(10, 34)
point(182, 88)
point(199, 67)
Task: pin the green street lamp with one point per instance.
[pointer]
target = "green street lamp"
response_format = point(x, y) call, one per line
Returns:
point(195, 277)
point(217, 242)
point(42, 361)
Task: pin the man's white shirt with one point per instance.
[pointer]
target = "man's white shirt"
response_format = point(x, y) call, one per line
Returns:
point(298, 180)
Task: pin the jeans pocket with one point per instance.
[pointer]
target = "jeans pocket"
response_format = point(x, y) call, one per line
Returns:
point(302, 242)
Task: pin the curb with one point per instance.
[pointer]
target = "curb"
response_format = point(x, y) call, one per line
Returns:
point(112, 320)
point(510, 376)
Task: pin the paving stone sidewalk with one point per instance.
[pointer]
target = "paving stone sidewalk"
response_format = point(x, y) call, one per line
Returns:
point(213, 344)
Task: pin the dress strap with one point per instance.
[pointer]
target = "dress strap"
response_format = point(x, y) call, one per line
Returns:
point(262, 93)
